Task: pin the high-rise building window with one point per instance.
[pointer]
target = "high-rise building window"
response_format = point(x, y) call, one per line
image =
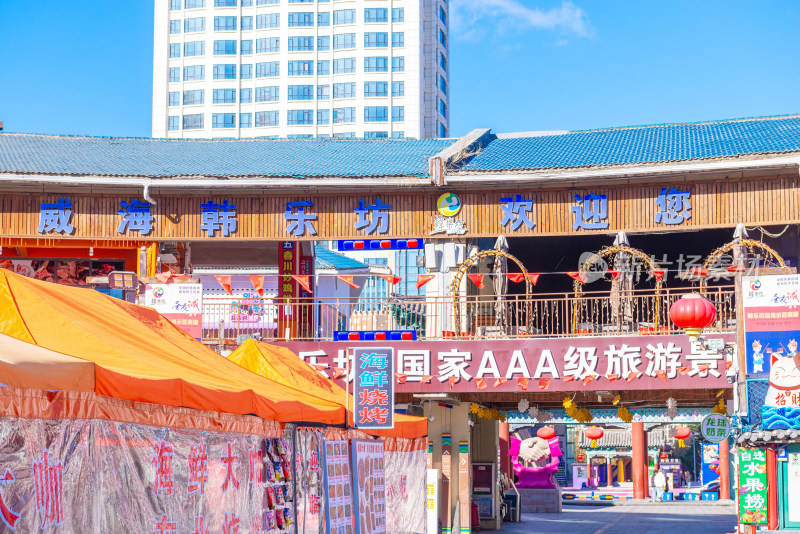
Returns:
point(174, 5)
point(323, 18)
point(247, 47)
point(443, 39)
point(323, 92)
point(301, 92)
point(442, 85)
point(376, 114)
point(194, 97)
point(398, 64)
point(409, 265)
point(442, 15)
point(376, 64)
point(245, 96)
point(398, 113)
point(344, 16)
point(224, 48)
point(345, 65)
point(443, 61)
point(443, 108)
point(247, 3)
point(174, 98)
point(268, 44)
point(323, 116)
point(301, 18)
point(301, 1)
point(174, 74)
point(195, 24)
point(398, 135)
point(344, 90)
point(300, 136)
point(247, 71)
point(323, 67)
point(269, 93)
point(224, 3)
point(270, 20)
point(268, 69)
point(225, 71)
point(398, 39)
point(267, 2)
point(223, 120)
point(194, 48)
point(245, 120)
point(344, 115)
point(398, 14)
point(301, 68)
point(376, 88)
point(343, 41)
point(246, 25)
point(297, 117)
point(376, 14)
point(301, 44)
point(442, 131)
point(193, 122)
point(224, 96)
point(343, 135)
point(174, 27)
point(174, 122)
point(266, 118)
point(323, 43)
point(376, 40)
point(376, 135)
point(224, 24)
point(398, 89)
point(174, 50)
point(194, 4)
point(194, 73)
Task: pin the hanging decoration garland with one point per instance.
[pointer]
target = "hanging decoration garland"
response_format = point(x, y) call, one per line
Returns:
point(523, 405)
point(487, 413)
point(624, 414)
point(672, 408)
point(581, 415)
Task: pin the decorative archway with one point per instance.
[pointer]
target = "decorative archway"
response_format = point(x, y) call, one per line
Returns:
point(607, 256)
point(750, 247)
point(465, 267)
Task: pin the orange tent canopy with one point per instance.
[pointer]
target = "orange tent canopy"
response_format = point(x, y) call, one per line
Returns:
point(137, 355)
point(285, 367)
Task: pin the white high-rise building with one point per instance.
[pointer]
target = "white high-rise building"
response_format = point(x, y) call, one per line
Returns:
point(301, 68)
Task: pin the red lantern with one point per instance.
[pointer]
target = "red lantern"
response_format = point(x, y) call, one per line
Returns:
point(546, 432)
point(594, 433)
point(693, 312)
point(664, 456)
point(580, 458)
point(681, 433)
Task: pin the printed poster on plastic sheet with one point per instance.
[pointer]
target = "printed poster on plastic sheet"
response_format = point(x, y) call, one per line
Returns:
point(180, 303)
point(369, 487)
point(338, 488)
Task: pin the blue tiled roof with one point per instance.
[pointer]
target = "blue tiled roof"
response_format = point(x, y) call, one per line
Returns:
point(328, 259)
point(108, 156)
point(642, 144)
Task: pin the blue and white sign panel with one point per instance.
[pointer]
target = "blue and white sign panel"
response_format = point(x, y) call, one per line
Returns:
point(374, 387)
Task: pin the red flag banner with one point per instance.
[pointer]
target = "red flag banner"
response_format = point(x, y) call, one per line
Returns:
point(305, 281)
point(515, 277)
point(426, 379)
point(401, 378)
point(544, 383)
point(393, 280)
point(684, 371)
point(500, 381)
point(577, 276)
point(662, 375)
point(423, 279)
point(347, 280)
point(588, 379)
point(225, 282)
point(631, 376)
point(522, 383)
point(258, 284)
point(452, 380)
point(533, 278)
point(338, 372)
point(614, 274)
point(611, 378)
point(659, 273)
point(480, 383)
point(477, 279)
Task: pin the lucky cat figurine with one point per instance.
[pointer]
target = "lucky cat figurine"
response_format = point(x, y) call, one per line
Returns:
point(782, 404)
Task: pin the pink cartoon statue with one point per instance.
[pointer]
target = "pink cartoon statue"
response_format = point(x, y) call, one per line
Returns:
point(535, 460)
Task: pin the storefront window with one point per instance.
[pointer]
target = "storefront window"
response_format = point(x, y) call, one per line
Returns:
point(67, 271)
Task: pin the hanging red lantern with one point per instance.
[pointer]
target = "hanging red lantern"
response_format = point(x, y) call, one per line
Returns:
point(693, 312)
point(682, 433)
point(664, 456)
point(593, 433)
point(580, 458)
point(546, 432)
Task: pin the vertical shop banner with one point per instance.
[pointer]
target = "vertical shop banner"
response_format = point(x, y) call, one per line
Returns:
point(710, 471)
point(180, 303)
point(287, 289)
point(374, 388)
point(338, 488)
point(309, 463)
point(369, 487)
point(771, 320)
point(432, 501)
point(752, 486)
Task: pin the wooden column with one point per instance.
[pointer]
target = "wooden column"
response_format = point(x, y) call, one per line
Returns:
point(620, 471)
point(609, 472)
point(724, 470)
point(639, 459)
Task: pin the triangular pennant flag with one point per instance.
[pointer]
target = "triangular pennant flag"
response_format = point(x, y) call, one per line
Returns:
point(480, 383)
point(258, 284)
point(349, 281)
point(426, 379)
point(319, 366)
point(577, 276)
point(704, 368)
point(389, 278)
point(728, 366)
point(515, 277)
point(522, 383)
point(338, 372)
point(533, 278)
point(631, 376)
point(477, 279)
point(662, 375)
point(659, 273)
point(613, 377)
point(614, 274)
point(699, 271)
point(401, 378)
point(423, 279)
point(225, 282)
point(683, 370)
point(305, 281)
point(164, 278)
point(544, 383)
point(569, 378)
point(588, 379)
point(500, 381)
point(452, 380)
point(735, 268)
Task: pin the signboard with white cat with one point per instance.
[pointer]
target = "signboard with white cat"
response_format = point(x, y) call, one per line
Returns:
point(772, 330)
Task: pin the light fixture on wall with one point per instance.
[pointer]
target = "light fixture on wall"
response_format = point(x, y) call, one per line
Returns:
point(91, 251)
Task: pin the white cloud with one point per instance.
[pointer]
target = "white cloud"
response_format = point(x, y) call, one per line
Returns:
point(473, 19)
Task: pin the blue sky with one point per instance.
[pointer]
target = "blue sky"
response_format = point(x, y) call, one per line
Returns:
point(84, 66)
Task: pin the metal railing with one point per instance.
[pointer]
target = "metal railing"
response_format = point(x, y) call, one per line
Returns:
point(230, 320)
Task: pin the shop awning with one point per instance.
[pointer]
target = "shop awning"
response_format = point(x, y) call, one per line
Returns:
point(284, 366)
point(136, 354)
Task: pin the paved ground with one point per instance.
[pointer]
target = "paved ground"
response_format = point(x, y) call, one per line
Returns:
point(638, 518)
